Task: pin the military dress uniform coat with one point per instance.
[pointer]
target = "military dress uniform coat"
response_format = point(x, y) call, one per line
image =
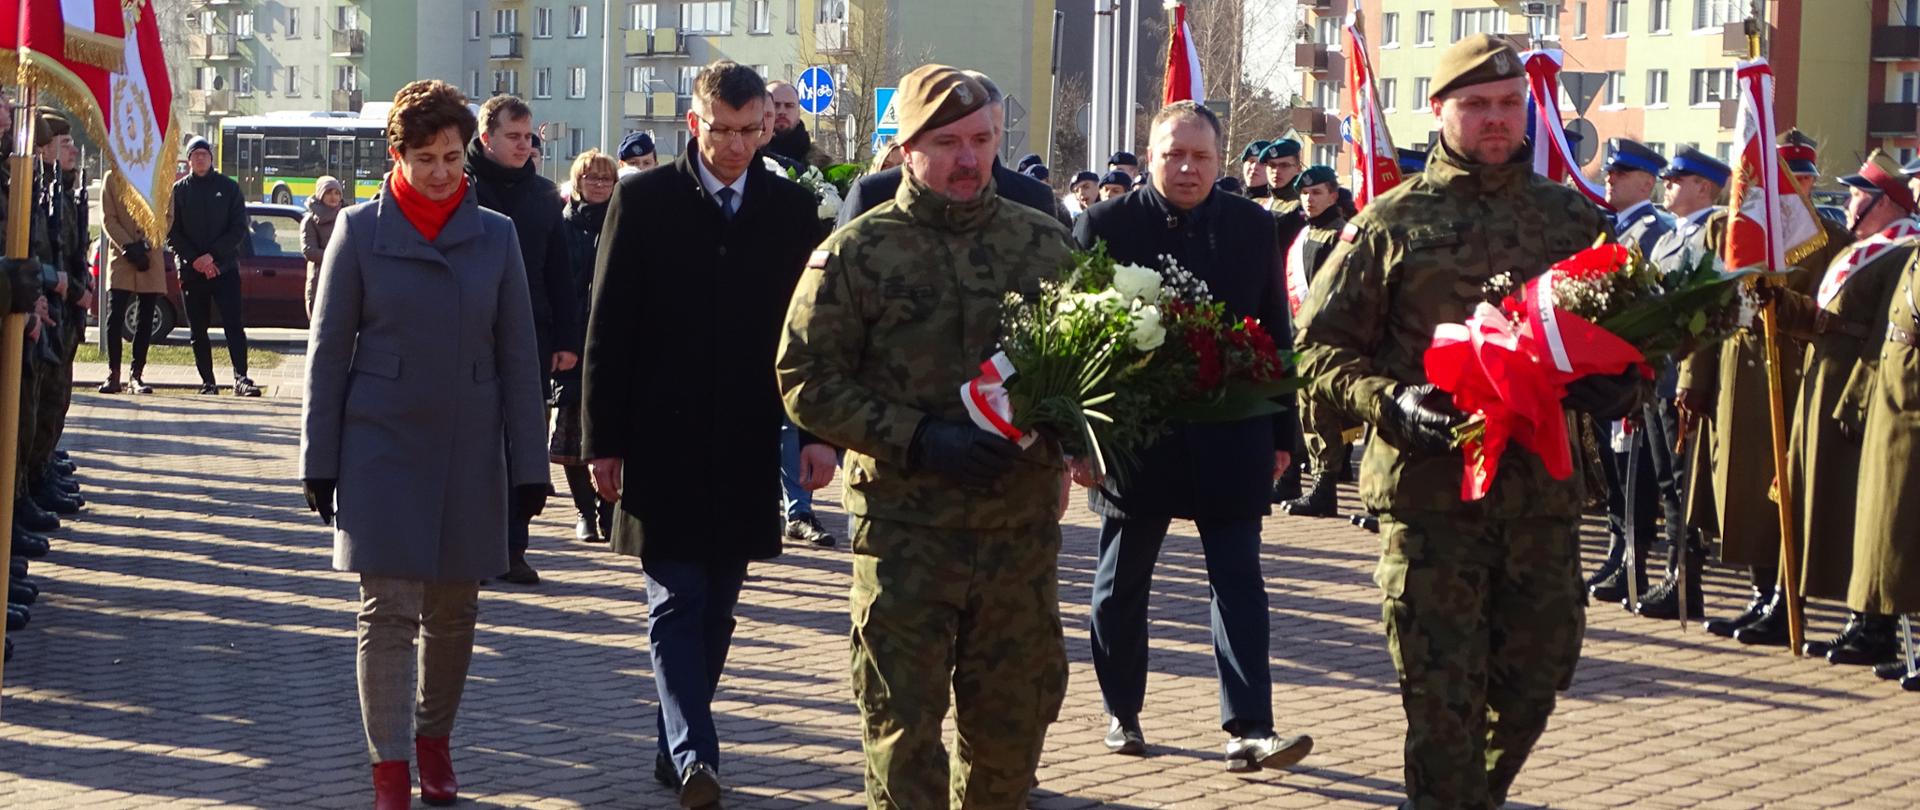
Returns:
point(1643, 227)
point(122, 229)
point(423, 392)
point(1886, 531)
point(678, 378)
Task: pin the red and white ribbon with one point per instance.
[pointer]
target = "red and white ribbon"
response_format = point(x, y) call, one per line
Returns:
point(1545, 321)
point(1297, 272)
point(986, 401)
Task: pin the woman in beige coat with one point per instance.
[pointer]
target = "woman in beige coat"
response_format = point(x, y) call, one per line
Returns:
point(137, 275)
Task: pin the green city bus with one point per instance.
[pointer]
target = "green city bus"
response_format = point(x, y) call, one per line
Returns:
point(279, 156)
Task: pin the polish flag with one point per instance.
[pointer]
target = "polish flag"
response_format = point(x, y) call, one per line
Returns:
point(1552, 155)
point(1375, 162)
point(1773, 223)
point(1183, 63)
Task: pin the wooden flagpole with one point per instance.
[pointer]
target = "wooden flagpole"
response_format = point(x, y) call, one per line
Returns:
point(13, 327)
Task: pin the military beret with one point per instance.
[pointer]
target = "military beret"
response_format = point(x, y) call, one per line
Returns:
point(1697, 163)
point(1253, 150)
point(636, 144)
point(1476, 59)
point(1037, 171)
point(1879, 174)
point(1412, 160)
point(1283, 148)
point(1029, 160)
point(933, 96)
point(51, 125)
point(196, 142)
point(1625, 155)
point(1117, 178)
point(1085, 177)
point(1316, 175)
point(1123, 159)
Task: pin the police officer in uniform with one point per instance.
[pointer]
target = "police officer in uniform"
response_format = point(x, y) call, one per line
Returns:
point(955, 530)
point(1307, 238)
point(1482, 604)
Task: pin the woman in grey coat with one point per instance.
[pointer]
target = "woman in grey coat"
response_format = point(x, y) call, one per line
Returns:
point(423, 407)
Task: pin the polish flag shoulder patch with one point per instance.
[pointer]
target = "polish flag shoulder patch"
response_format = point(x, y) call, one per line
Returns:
point(1350, 233)
point(818, 261)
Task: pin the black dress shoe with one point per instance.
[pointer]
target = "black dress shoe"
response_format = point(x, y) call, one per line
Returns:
point(1910, 683)
point(1770, 630)
point(1875, 643)
point(30, 546)
point(22, 592)
point(521, 574)
point(17, 566)
point(1613, 588)
point(1725, 628)
point(1267, 751)
point(17, 617)
point(663, 772)
point(699, 787)
point(28, 515)
point(1124, 737)
point(587, 529)
point(53, 500)
point(1890, 671)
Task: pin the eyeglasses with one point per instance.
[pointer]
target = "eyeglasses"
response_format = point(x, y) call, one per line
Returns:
point(598, 179)
point(713, 133)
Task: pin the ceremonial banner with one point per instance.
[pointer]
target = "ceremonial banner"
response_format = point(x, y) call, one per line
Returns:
point(1773, 224)
point(1376, 164)
point(1552, 156)
point(1183, 62)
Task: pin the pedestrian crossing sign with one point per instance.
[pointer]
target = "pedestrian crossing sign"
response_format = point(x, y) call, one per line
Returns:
point(886, 115)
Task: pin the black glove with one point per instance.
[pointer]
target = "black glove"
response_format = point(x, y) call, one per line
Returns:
point(529, 500)
point(137, 251)
point(1420, 417)
point(1605, 397)
point(320, 496)
point(961, 451)
point(23, 281)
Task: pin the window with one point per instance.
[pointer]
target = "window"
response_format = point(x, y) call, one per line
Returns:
point(543, 82)
point(1616, 92)
point(688, 73)
point(1390, 29)
point(1326, 154)
point(1326, 96)
point(205, 22)
point(761, 21)
point(1658, 148)
point(831, 11)
point(542, 23)
point(1580, 20)
point(1329, 33)
point(1909, 87)
point(293, 80)
point(473, 25)
point(576, 142)
point(293, 22)
point(345, 77)
point(243, 25)
point(643, 16)
point(1389, 94)
point(1423, 28)
point(576, 82)
point(577, 21)
point(1616, 18)
point(1723, 151)
point(506, 21)
point(639, 79)
point(1711, 86)
point(707, 18)
point(793, 16)
point(1711, 14)
point(1909, 14)
point(1550, 27)
point(243, 81)
point(1656, 88)
point(346, 18)
point(1468, 22)
point(473, 77)
point(1660, 17)
point(506, 81)
point(203, 79)
point(1421, 91)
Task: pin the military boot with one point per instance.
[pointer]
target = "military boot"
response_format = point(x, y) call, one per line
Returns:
point(1663, 602)
point(1287, 486)
point(1770, 630)
point(1321, 501)
point(1725, 628)
point(28, 515)
point(1890, 671)
point(1876, 643)
point(1820, 648)
point(50, 498)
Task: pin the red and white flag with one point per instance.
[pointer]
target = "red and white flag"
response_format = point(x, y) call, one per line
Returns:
point(1774, 224)
point(1552, 155)
point(1376, 166)
point(1183, 62)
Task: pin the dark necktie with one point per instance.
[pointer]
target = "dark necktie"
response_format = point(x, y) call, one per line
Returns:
point(726, 203)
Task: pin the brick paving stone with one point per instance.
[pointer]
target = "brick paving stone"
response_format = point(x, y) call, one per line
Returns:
point(192, 648)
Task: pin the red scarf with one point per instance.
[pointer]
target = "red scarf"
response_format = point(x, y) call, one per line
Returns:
point(428, 216)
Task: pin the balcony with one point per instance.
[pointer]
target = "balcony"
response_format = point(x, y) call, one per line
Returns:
point(210, 102)
point(212, 47)
point(504, 46)
point(351, 44)
point(1317, 59)
point(1315, 122)
point(655, 42)
point(1321, 7)
point(1893, 120)
point(347, 100)
point(660, 105)
point(831, 37)
point(1896, 43)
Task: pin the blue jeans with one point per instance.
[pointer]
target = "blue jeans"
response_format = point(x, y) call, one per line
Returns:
point(799, 501)
point(1129, 548)
point(689, 630)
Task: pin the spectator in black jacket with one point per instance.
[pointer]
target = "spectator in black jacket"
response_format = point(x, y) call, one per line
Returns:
point(506, 180)
point(209, 224)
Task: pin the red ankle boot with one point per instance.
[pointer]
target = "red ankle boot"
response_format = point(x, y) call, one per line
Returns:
point(392, 785)
point(437, 785)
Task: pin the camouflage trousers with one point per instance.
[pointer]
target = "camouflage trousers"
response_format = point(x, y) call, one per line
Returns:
point(1322, 427)
point(977, 611)
point(1484, 621)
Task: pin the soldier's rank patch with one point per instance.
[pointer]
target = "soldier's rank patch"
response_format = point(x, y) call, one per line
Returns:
point(1349, 233)
point(818, 261)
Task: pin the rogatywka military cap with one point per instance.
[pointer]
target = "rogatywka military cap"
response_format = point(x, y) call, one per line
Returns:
point(1476, 59)
point(1283, 148)
point(933, 96)
point(1624, 155)
point(1695, 162)
point(1879, 174)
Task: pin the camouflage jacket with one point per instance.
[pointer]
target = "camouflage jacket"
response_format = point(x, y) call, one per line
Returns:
point(894, 314)
point(1416, 258)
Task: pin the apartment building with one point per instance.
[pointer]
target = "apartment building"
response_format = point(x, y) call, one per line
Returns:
point(1893, 79)
point(247, 57)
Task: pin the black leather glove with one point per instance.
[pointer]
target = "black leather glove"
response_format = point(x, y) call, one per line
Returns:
point(529, 500)
point(961, 451)
point(23, 283)
point(320, 496)
point(1605, 397)
point(138, 252)
point(1420, 417)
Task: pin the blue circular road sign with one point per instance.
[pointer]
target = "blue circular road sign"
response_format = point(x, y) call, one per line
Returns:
point(816, 90)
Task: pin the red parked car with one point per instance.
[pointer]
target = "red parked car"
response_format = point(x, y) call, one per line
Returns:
point(273, 276)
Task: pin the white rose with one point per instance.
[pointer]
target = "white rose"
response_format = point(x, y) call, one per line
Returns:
point(1134, 281)
point(773, 166)
point(1148, 333)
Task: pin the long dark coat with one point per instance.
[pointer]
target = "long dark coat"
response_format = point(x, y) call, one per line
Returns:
point(423, 391)
point(688, 309)
point(1214, 470)
point(1886, 531)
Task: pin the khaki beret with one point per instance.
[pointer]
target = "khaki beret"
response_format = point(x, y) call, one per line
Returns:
point(933, 96)
point(51, 125)
point(1477, 59)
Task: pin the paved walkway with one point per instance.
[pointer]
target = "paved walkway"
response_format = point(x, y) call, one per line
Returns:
point(192, 648)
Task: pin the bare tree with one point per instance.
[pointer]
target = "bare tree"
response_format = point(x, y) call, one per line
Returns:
point(1069, 142)
point(867, 62)
point(1222, 41)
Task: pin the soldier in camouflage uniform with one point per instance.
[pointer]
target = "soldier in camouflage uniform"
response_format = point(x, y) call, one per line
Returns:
point(955, 530)
point(1483, 602)
point(1308, 237)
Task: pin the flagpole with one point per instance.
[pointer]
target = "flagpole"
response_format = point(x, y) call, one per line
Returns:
point(1776, 393)
point(13, 327)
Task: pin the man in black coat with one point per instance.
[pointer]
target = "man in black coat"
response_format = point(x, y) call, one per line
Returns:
point(500, 165)
point(681, 416)
point(209, 226)
point(1219, 475)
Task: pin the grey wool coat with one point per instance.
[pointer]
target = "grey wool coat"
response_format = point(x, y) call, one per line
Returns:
point(423, 392)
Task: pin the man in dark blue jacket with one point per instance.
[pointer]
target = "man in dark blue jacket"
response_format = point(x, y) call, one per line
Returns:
point(1218, 475)
point(209, 224)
